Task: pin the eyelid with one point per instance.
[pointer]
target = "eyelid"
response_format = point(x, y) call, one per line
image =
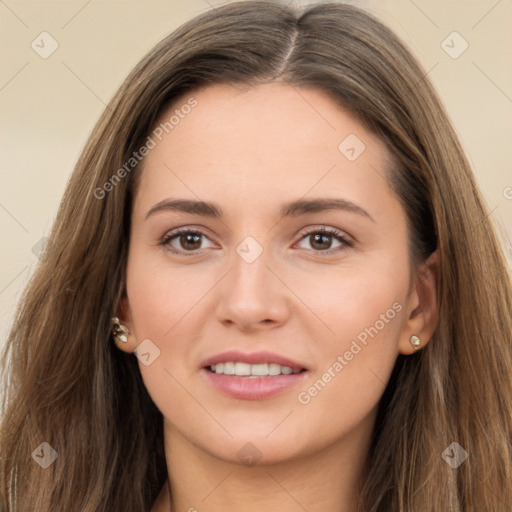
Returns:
point(173, 233)
point(345, 239)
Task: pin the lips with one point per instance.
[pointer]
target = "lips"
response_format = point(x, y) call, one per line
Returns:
point(255, 376)
point(256, 358)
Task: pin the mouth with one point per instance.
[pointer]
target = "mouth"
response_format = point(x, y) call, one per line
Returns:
point(252, 376)
point(253, 371)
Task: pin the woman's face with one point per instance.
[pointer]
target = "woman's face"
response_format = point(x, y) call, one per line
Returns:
point(298, 260)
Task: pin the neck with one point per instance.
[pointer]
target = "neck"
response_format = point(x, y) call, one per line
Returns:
point(327, 479)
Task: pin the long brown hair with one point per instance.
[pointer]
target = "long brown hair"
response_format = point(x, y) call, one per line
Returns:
point(68, 385)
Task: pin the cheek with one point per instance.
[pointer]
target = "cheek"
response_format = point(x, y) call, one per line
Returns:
point(166, 303)
point(348, 300)
point(161, 294)
point(365, 309)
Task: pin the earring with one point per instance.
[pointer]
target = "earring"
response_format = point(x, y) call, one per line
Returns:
point(415, 342)
point(119, 331)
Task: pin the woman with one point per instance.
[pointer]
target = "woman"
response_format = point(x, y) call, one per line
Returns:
point(272, 284)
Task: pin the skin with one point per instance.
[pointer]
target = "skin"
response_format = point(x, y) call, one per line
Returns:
point(249, 151)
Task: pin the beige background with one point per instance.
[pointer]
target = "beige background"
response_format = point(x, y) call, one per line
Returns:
point(48, 106)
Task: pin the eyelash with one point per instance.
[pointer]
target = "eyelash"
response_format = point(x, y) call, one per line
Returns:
point(339, 235)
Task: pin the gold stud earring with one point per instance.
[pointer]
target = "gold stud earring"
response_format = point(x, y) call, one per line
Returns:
point(119, 331)
point(415, 342)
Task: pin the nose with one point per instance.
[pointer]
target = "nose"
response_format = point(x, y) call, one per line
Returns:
point(252, 297)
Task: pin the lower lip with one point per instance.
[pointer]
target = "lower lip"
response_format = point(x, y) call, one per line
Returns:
point(259, 388)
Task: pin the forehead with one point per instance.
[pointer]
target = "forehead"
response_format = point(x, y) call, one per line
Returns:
point(274, 116)
point(261, 143)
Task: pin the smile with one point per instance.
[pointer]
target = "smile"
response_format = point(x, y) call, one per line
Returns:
point(252, 370)
point(252, 376)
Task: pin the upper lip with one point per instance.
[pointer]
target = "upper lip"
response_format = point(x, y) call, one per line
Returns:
point(252, 358)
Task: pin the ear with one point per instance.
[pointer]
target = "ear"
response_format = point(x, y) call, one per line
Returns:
point(125, 318)
point(422, 308)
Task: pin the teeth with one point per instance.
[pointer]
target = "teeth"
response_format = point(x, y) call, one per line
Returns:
point(251, 370)
point(274, 369)
point(259, 369)
point(229, 368)
point(242, 369)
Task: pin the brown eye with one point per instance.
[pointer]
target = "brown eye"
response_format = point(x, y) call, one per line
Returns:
point(186, 241)
point(321, 241)
point(327, 240)
point(190, 241)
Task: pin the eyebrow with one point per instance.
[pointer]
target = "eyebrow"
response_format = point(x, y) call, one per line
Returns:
point(291, 209)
